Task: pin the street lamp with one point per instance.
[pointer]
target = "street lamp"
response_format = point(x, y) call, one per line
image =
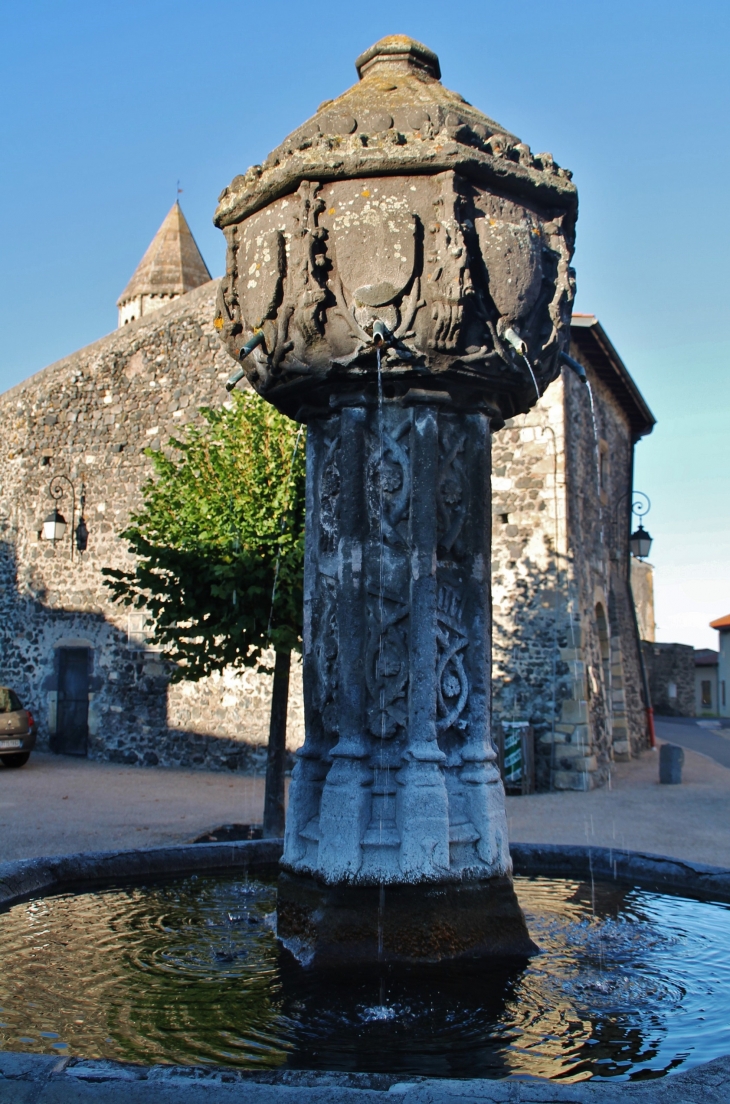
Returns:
point(640, 543)
point(55, 524)
point(640, 539)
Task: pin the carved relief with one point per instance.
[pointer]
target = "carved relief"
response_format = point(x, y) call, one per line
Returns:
point(329, 489)
point(448, 276)
point(445, 266)
point(374, 248)
point(399, 754)
point(389, 482)
point(512, 253)
point(307, 293)
point(452, 491)
point(387, 665)
point(261, 265)
point(329, 646)
point(452, 685)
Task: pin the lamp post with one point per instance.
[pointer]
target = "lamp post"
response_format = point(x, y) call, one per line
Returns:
point(55, 524)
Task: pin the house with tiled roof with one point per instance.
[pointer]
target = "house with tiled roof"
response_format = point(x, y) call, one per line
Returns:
point(722, 624)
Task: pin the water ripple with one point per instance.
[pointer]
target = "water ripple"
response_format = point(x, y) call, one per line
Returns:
point(628, 982)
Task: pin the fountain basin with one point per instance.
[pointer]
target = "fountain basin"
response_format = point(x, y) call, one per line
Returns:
point(631, 982)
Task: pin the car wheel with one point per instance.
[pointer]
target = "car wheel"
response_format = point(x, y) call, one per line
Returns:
point(15, 760)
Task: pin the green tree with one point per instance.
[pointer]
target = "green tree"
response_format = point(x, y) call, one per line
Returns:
point(219, 547)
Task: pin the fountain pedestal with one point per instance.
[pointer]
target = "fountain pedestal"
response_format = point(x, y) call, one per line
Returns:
point(397, 783)
point(397, 262)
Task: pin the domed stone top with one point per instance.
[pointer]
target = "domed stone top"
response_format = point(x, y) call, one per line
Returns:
point(397, 119)
point(399, 231)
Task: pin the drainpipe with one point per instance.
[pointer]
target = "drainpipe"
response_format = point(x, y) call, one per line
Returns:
point(642, 666)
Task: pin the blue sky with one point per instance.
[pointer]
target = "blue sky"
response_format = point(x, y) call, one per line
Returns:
point(106, 105)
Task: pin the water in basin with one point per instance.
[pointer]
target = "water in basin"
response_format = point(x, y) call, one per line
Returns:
point(630, 984)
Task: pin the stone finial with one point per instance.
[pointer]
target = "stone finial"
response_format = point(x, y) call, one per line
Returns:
point(171, 266)
point(398, 53)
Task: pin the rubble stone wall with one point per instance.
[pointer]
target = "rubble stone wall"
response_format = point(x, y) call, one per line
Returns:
point(558, 551)
point(566, 656)
point(91, 416)
point(671, 673)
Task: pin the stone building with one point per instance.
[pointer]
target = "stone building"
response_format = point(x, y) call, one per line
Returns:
point(671, 673)
point(172, 266)
point(722, 624)
point(642, 588)
point(565, 639)
point(566, 644)
point(707, 697)
point(78, 660)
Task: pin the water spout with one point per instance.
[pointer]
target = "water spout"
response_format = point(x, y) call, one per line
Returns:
point(251, 344)
point(576, 366)
point(381, 335)
point(514, 339)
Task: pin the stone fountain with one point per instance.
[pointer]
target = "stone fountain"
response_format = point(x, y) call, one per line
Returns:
point(398, 278)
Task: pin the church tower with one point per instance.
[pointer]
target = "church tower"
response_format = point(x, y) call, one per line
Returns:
point(171, 266)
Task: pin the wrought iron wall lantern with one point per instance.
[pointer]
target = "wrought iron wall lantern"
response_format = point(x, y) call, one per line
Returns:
point(640, 539)
point(55, 524)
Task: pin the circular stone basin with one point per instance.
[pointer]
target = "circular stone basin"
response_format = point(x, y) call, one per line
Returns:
point(630, 984)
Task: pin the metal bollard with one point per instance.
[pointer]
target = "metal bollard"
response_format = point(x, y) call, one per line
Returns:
point(671, 761)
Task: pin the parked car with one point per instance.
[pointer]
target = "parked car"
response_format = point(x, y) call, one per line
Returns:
point(17, 730)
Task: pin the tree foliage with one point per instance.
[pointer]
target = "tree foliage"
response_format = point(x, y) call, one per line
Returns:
point(225, 506)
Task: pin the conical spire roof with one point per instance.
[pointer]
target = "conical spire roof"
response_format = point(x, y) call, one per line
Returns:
point(172, 264)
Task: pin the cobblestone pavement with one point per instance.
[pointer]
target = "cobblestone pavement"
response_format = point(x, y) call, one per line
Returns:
point(57, 805)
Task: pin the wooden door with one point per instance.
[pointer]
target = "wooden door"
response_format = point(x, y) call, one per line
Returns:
point(72, 731)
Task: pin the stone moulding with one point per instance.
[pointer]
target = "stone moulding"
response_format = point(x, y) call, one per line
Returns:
point(23, 879)
point(42, 1077)
point(398, 118)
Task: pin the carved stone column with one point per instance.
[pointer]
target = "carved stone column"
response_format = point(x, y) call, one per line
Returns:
point(402, 263)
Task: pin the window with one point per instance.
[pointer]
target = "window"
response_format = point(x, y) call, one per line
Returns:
point(672, 690)
point(722, 688)
point(136, 630)
point(706, 696)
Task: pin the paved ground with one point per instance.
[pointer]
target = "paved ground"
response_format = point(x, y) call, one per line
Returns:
point(708, 737)
point(57, 805)
point(690, 821)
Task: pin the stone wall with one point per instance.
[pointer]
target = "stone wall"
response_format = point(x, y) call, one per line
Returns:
point(91, 416)
point(565, 650)
point(559, 555)
point(671, 672)
point(642, 586)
